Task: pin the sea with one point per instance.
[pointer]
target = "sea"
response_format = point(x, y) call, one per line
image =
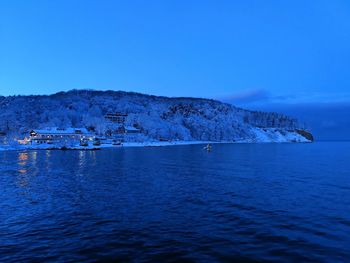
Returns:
point(237, 203)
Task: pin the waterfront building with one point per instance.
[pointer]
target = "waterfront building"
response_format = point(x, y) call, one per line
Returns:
point(59, 135)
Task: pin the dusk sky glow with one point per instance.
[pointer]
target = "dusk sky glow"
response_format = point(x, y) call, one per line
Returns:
point(245, 52)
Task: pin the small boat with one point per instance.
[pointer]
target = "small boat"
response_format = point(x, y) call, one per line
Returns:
point(116, 142)
point(84, 143)
point(208, 147)
point(96, 142)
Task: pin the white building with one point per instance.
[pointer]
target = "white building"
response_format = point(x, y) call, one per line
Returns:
point(58, 135)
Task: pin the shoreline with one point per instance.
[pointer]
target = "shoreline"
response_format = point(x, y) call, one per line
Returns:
point(134, 145)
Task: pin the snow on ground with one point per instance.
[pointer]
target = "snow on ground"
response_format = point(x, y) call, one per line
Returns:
point(186, 119)
point(262, 135)
point(277, 135)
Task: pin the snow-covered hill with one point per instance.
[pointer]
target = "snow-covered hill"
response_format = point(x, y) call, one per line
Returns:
point(157, 117)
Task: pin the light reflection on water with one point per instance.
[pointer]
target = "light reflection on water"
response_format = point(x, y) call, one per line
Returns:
point(281, 202)
point(23, 156)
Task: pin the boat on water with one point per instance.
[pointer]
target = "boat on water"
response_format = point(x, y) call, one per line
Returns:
point(84, 143)
point(96, 142)
point(208, 147)
point(116, 142)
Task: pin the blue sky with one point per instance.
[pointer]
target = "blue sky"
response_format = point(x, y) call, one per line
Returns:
point(251, 53)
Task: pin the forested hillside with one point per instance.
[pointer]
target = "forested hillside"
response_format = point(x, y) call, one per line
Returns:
point(156, 117)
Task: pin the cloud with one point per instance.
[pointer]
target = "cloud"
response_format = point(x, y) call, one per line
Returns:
point(256, 97)
point(260, 97)
point(326, 114)
point(327, 121)
point(248, 96)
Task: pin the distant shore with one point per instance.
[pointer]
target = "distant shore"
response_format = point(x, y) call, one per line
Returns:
point(133, 144)
point(109, 146)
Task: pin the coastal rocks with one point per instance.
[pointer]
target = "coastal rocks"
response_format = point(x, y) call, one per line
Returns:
point(305, 134)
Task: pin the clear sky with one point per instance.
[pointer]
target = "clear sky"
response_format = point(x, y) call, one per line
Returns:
point(265, 52)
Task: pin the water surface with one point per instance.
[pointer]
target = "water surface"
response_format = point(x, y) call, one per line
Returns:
point(257, 202)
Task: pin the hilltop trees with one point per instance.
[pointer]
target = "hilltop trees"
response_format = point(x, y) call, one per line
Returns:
point(157, 117)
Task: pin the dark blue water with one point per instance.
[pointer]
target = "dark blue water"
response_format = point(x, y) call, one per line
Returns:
point(263, 202)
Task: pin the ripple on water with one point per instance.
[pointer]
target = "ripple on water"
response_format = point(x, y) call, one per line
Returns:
point(284, 202)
